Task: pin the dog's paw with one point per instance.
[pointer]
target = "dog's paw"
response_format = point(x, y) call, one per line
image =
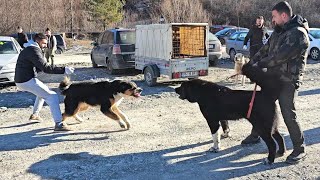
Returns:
point(266, 161)
point(225, 135)
point(128, 125)
point(122, 124)
point(214, 149)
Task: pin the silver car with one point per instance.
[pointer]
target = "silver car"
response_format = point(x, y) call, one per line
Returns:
point(234, 44)
point(215, 50)
point(9, 52)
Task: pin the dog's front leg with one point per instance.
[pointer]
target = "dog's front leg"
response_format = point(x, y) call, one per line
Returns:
point(216, 142)
point(116, 117)
point(123, 116)
point(214, 127)
point(109, 113)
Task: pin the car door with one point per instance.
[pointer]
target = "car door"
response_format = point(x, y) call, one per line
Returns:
point(312, 44)
point(239, 43)
point(95, 51)
point(231, 42)
point(105, 47)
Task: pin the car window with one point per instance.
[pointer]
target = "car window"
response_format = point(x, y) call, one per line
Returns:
point(107, 38)
point(126, 37)
point(100, 38)
point(233, 36)
point(59, 39)
point(7, 47)
point(315, 33)
point(223, 31)
point(242, 36)
point(230, 32)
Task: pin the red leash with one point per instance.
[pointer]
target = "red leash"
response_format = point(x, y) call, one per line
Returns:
point(252, 101)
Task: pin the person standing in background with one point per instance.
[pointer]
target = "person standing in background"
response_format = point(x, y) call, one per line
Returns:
point(22, 37)
point(51, 47)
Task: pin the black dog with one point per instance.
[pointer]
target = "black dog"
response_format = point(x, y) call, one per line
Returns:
point(107, 95)
point(218, 103)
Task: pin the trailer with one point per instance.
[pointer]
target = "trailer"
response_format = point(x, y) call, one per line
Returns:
point(175, 50)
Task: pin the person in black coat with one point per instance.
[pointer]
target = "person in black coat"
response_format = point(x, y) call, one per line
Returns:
point(22, 37)
point(256, 35)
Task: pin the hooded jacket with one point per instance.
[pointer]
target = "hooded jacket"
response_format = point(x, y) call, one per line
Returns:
point(286, 51)
point(31, 61)
point(256, 35)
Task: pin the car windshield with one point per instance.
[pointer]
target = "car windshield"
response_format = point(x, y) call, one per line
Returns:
point(126, 37)
point(7, 47)
point(315, 33)
point(212, 37)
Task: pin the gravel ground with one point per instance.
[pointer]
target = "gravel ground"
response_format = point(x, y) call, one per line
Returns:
point(169, 137)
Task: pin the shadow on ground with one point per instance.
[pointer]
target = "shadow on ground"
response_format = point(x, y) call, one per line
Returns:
point(168, 163)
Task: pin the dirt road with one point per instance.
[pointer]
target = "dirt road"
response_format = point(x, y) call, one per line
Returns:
point(169, 137)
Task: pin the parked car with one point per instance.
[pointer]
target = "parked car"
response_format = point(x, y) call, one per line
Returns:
point(61, 43)
point(234, 44)
point(314, 49)
point(215, 28)
point(9, 52)
point(224, 34)
point(114, 49)
point(215, 50)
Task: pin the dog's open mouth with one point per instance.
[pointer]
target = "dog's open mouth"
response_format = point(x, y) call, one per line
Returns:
point(137, 94)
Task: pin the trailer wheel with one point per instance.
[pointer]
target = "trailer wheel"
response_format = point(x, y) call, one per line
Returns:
point(149, 77)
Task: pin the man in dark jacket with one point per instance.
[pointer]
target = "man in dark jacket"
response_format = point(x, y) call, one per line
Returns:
point(256, 35)
point(51, 46)
point(31, 61)
point(22, 37)
point(286, 54)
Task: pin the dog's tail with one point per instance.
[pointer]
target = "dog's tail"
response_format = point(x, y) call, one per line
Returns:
point(64, 85)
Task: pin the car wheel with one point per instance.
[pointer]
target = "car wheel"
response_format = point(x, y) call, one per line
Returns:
point(315, 54)
point(94, 65)
point(110, 69)
point(58, 51)
point(232, 54)
point(149, 77)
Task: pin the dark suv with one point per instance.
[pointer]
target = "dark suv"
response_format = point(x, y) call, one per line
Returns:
point(61, 44)
point(114, 49)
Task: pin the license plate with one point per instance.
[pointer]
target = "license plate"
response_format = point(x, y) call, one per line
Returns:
point(211, 46)
point(189, 74)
